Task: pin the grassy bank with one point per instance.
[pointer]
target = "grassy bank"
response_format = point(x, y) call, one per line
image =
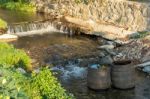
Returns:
point(3, 24)
point(21, 5)
point(17, 83)
point(11, 57)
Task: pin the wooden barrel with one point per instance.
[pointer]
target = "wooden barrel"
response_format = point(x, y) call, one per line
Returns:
point(99, 79)
point(123, 74)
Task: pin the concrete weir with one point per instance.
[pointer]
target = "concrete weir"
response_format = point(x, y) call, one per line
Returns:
point(68, 25)
point(8, 37)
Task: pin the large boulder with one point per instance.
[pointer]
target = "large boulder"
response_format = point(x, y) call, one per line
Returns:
point(8, 37)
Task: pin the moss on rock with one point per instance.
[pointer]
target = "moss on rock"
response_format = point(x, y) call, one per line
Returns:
point(3, 24)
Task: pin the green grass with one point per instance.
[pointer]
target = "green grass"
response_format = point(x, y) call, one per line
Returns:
point(11, 57)
point(3, 24)
point(19, 6)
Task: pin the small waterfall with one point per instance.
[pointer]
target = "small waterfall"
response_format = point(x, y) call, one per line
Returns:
point(30, 28)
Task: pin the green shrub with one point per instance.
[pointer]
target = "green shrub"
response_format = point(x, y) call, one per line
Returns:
point(9, 84)
point(3, 24)
point(20, 5)
point(15, 85)
point(49, 86)
point(11, 57)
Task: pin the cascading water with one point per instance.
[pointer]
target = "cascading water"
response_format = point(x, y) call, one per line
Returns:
point(71, 70)
point(31, 28)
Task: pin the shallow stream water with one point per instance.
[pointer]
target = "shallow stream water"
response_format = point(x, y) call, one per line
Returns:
point(56, 47)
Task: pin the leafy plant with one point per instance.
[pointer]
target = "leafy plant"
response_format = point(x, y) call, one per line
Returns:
point(12, 57)
point(3, 24)
point(10, 84)
point(15, 85)
point(22, 5)
point(49, 86)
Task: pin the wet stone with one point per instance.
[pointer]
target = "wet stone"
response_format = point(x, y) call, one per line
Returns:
point(106, 47)
point(146, 69)
point(106, 60)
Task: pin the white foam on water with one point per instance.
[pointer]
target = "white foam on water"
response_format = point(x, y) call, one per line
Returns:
point(71, 71)
point(25, 29)
point(49, 29)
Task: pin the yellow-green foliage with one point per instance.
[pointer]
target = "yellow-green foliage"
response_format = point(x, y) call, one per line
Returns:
point(48, 86)
point(44, 85)
point(20, 5)
point(10, 87)
point(11, 57)
point(17, 85)
point(14, 85)
point(3, 24)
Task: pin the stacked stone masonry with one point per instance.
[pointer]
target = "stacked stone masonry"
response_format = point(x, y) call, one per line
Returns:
point(131, 15)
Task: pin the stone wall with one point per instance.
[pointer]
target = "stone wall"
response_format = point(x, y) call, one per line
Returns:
point(131, 15)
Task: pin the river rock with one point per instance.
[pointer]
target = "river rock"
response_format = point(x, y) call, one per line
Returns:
point(120, 42)
point(106, 47)
point(111, 52)
point(144, 64)
point(36, 70)
point(111, 43)
point(8, 36)
point(103, 41)
point(134, 35)
point(94, 66)
point(53, 6)
point(119, 56)
point(106, 60)
point(146, 69)
point(146, 58)
point(102, 54)
point(21, 70)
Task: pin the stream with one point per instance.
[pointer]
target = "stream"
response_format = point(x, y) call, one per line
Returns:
point(70, 56)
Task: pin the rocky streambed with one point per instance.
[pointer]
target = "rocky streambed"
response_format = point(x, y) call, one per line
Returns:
point(58, 48)
point(69, 57)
